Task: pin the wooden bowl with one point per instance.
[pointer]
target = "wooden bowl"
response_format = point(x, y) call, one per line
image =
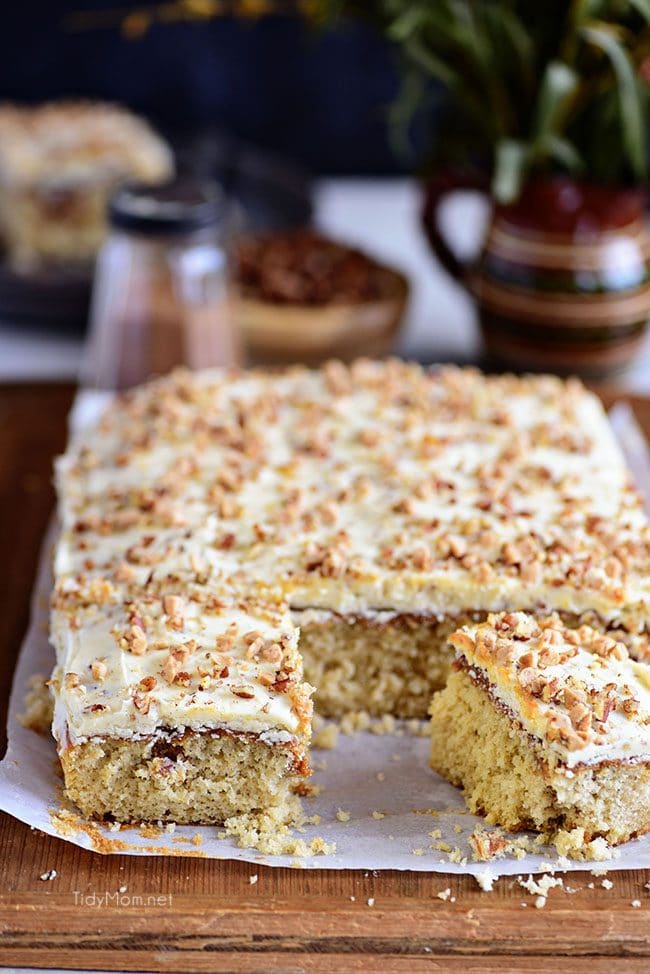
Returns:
point(285, 333)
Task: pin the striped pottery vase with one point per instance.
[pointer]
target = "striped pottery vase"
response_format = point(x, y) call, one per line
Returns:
point(562, 281)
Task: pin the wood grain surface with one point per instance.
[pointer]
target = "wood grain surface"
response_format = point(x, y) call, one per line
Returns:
point(209, 916)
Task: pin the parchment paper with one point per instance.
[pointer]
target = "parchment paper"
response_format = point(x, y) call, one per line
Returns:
point(364, 773)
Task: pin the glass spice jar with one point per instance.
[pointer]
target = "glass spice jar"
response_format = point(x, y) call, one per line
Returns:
point(161, 296)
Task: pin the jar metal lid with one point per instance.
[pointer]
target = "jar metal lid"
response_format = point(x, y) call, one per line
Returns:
point(178, 206)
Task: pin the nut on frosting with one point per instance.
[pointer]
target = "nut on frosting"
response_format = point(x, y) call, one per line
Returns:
point(577, 691)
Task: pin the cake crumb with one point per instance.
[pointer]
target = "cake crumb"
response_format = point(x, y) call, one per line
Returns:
point(342, 816)
point(327, 738)
point(573, 845)
point(123, 889)
point(636, 904)
point(487, 845)
point(253, 879)
point(607, 884)
point(541, 887)
point(444, 894)
point(441, 846)
point(319, 847)
point(378, 815)
point(381, 776)
point(485, 881)
point(371, 901)
point(417, 852)
point(49, 875)
point(38, 704)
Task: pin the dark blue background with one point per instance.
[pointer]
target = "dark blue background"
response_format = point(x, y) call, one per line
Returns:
point(318, 96)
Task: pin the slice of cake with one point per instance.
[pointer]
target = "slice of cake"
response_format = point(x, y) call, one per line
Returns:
point(546, 728)
point(176, 707)
point(58, 164)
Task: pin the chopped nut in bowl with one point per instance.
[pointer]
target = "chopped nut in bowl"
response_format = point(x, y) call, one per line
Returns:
point(304, 297)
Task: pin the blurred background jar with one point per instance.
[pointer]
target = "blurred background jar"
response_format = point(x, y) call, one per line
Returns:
point(161, 294)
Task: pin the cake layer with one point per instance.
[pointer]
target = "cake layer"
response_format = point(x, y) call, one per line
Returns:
point(382, 663)
point(506, 775)
point(374, 487)
point(59, 162)
point(191, 778)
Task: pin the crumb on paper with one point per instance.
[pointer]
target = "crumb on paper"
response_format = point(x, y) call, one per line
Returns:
point(123, 889)
point(49, 875)
point(445, 894)
point(371, 901)
point(607, 884)
point(253, 879)
point(381, 776)
point(342, 815)
point(378, 815)
point(269, 833)
point(540, 902)
point(150, 831)
point(441, 847)
point(636, 904)
point(418, 852)
point(487, 845)
point(572, 844)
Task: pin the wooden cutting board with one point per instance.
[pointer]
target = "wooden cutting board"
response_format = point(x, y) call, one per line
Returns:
point(206, 915)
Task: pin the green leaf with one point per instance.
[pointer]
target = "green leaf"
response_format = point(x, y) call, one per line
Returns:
point(631, 106)
point(559, 84)
point(565, 153)
point(642, 7)
point(510, 166)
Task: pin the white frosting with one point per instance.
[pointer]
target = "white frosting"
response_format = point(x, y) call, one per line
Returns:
point(622, 736)
point(445, 436)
